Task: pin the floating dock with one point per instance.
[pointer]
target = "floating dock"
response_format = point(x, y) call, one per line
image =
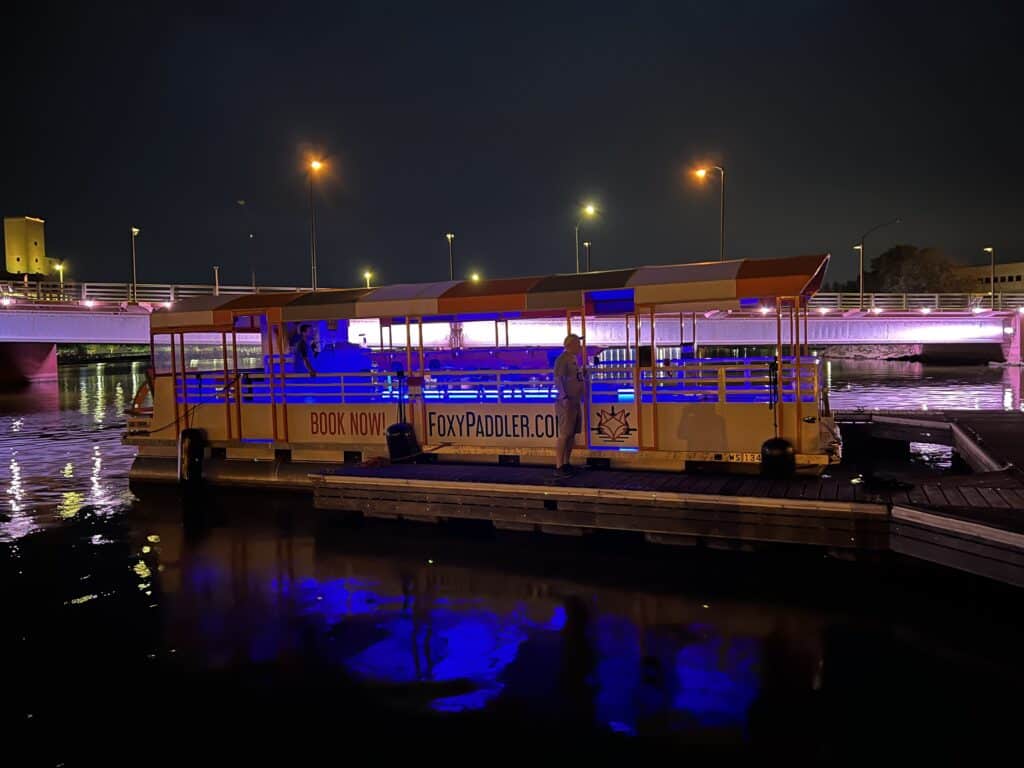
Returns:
point(973, 522)
point(665, 507)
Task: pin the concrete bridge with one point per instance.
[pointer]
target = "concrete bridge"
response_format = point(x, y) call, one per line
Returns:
point(34, 317)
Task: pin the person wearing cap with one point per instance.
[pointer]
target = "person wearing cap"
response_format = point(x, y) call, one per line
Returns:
point(569, 388)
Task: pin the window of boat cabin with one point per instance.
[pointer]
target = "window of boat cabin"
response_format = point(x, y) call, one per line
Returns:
point(162, 353)
point(248, 338)
point(202, 352)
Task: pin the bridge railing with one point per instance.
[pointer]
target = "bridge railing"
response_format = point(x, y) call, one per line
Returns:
point(73, 292)
point(70, 292)
point(909, 302)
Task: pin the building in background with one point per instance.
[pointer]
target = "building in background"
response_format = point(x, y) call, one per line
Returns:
point(1009, 277)
point(25, 248)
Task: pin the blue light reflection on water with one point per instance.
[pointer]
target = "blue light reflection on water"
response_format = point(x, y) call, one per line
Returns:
point(428, 639)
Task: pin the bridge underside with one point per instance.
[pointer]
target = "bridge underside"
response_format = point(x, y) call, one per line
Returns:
point(931, 331)
point(27, 362)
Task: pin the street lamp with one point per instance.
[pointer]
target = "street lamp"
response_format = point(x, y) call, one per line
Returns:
point(314, 168)
point(250, 236)
point(366, 276)
point(450, 236)
point(701, 173)
point(860, 271)
point(60, 274)
point(991, 276)
point(589, 210)
point(134, 297)
point(860, 247)
point(586, 250)
point(475, 277)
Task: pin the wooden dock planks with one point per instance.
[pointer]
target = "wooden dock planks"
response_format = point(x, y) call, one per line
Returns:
point(971, 522)
point(687, 506)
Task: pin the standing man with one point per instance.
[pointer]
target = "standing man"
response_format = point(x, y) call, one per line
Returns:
point(568, 414)
point(303, 345)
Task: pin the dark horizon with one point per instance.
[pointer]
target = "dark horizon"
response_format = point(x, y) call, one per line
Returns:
point(492, 126)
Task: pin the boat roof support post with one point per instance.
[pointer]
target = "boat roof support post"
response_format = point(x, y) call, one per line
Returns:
point(778, 366)
point(798, 373)
point(654, 383)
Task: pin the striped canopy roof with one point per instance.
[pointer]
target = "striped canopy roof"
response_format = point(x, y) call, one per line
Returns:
point(673, 288)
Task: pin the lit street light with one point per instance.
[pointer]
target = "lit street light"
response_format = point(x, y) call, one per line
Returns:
point(701, 173)
point(134, 297)
point(60, 274)
point(475, 277)
point(586, 250)
point(860, 247)
point(366, 276)
point(589, 210)
point(991, 276)
point(314, 168)
point(450, 236)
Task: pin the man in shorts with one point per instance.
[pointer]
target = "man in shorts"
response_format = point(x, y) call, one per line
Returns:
point(569, 387)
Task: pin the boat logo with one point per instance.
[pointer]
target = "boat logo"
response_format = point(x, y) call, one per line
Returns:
point(613, 426)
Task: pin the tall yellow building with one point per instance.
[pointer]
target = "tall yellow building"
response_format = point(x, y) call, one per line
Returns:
point(25, 247)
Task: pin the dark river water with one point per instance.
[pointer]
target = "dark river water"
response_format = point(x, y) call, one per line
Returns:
point(138, 630)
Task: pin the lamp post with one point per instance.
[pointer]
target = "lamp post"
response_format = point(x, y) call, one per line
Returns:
point(134, 292)
point(586, 250)
point(314, 168)
point(450, 236)
point(366, 276)
point(60, 275)
point(860, 247)
point(250, 236)
point(216, 280)
point(701, 173)
point(991, 276)
point(589, 210)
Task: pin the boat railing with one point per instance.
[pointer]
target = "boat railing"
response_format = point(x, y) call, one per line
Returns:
point(711, 381)
point(262, 387)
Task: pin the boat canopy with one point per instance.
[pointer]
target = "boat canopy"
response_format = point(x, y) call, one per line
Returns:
point(693, 287)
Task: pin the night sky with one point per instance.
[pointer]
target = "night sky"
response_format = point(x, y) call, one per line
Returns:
point(495, 121)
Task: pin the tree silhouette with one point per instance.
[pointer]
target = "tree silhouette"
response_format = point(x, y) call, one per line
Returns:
point(909, 269)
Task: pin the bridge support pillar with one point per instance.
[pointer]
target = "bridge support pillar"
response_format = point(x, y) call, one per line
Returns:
point(25, 362)
point(1014, 351)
